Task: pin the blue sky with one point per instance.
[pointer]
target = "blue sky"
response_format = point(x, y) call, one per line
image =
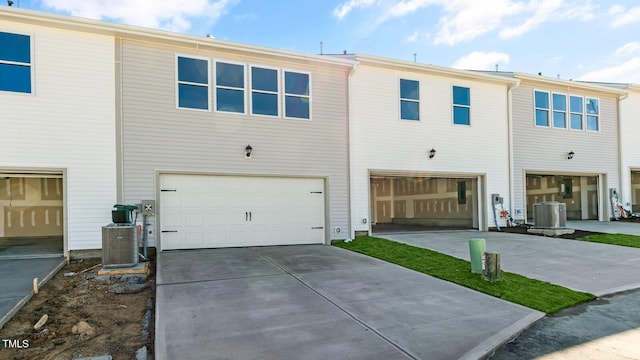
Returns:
point(575, 39)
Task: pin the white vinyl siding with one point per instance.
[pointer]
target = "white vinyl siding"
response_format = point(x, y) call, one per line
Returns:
point(380, 142)
point(541, 150)
point(69, 124)
point(157, 137)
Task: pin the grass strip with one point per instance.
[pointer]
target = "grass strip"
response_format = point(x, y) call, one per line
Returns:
point(614, 239)
point(532, 293)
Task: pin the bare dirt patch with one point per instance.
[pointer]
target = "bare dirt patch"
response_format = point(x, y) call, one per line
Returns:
point(119, 324)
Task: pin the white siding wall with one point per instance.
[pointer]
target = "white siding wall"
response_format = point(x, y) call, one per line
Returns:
point(157, 136)
point(67, 123)
point(630, 143)
point(381, 141)
point(545, 149)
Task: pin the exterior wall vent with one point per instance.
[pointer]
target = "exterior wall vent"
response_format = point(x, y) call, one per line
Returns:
point(550, 214)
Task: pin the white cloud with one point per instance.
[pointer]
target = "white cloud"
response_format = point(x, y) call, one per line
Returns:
point(627, 72)
point(622, 16)
point(343, 9)
point(479, 60)
point(465, 20)
point(549, 10)
point(417, 35)
point(628, 49)
point(171, 15)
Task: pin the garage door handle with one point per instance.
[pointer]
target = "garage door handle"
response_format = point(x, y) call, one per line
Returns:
point(166, 231)
point(317, 227)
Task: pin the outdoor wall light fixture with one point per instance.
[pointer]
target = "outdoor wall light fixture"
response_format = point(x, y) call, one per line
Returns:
point(570, 155)
point(432, 153)
point(247, 151)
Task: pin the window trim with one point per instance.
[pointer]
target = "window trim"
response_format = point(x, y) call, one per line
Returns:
point(586, 114)
point(582, 114)
point(278, 92)
point(215, 86)
point(283, 72)
point(31, 36)
point(401, 99)
point(178, 82)
point(553, 111)
point(549, 110)
point(454, 105)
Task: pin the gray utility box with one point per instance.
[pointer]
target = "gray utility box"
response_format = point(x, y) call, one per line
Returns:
point(550, 214)
point(119, 246)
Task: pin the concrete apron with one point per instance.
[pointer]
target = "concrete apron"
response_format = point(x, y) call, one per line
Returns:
point(598, 269)
point(16, 282)
point(319, 302)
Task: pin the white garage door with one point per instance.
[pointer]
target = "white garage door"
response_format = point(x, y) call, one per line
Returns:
point(203, 211)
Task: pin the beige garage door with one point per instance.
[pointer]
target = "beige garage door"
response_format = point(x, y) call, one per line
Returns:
point(204, 211)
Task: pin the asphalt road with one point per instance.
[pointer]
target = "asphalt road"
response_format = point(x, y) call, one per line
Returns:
point(606, 328)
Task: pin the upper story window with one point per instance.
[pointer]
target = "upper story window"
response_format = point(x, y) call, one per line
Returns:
point(193, 83)
point(230, 87)
point(15, 62)
point(541, 104)
point(297, 95)
point(576, 109)
point(593, 114)
point(461, 105)
point(264, 91)
point(559, 111)
point(409, 99)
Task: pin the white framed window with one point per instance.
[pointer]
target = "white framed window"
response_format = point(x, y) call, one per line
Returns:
point(297, 95)
point(541, 108)
point(409, 100)
point(230, 87)
point(192, 82)
point(265, 89)
point(559, 104)
point(16, 63)
point(593, 114)
point(576, 109)
point(461, 105)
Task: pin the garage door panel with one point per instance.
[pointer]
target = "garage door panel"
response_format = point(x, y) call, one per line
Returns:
point(228, 211)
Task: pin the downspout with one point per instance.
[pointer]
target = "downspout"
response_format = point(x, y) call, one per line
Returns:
point(619, 99)
point(352, 231)
point(510, 89)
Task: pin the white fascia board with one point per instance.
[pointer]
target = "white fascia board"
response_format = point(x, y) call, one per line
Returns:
point(432, 69)
point(570, 84)
point(154, 35)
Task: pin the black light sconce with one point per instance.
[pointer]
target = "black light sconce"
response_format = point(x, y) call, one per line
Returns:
point(570, 155)
point(247, 151)
point(432, 153)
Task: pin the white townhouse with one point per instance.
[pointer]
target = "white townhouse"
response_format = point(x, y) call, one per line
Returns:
point(58, 130)
point(239, 145)
point(428, 145)
point(630, 148)
point(566, 146)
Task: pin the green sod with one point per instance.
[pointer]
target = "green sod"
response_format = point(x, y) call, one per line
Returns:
point(532, 293)
point(614, 239)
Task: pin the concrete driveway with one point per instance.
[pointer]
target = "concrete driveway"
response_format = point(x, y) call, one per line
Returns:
point(599, 269)
point(609, 227)
point(319, 302)
point(16, 282)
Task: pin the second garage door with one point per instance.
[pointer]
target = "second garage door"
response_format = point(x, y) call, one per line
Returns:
point(204, 211)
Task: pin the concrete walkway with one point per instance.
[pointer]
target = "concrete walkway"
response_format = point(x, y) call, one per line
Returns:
point(319, 302)
point(599, 269)
point(16, 282)
point(609, 227)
